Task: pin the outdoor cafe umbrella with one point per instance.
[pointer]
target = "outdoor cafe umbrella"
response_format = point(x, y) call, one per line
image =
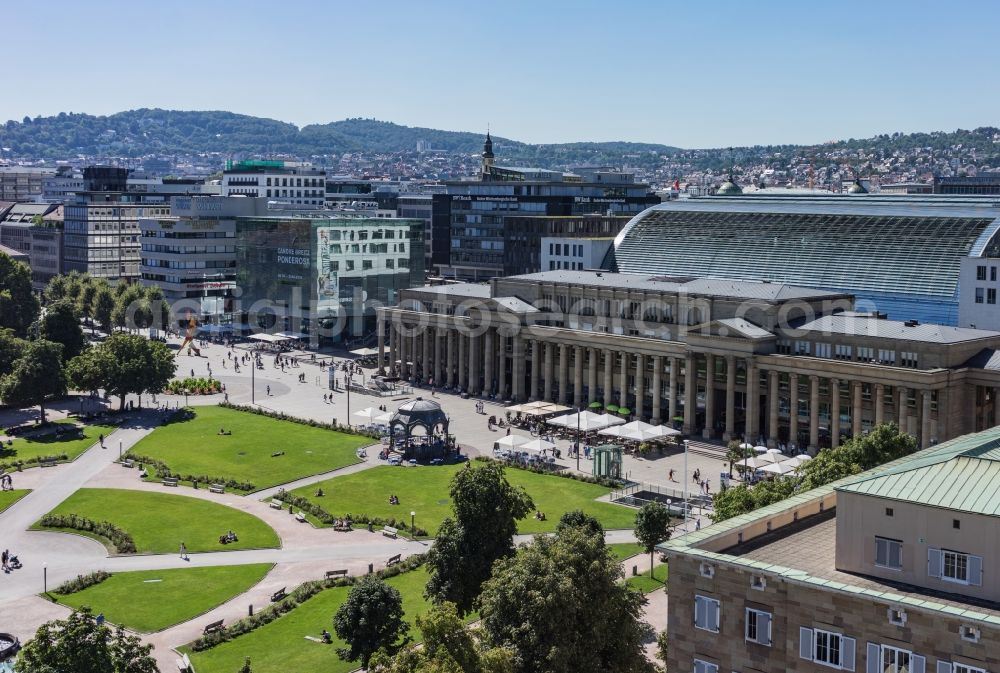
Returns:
point(586, 421)
point(760, 448)
point(766, 459)
point(511, 441)
point(778, 468)
point(796, 461)
point(639, 431)
point(746, 445)
point(368, 414)
point(536, 446)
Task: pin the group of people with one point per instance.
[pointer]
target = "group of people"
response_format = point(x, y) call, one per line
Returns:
point(10, 561)
point(228, 538)
point(393, 500)
point(703, 484)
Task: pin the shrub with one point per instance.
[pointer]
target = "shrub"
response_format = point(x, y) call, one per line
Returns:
point(162, 471)
point(122, 541)
point(81, 582)
point(194, 386)
point(280, 416)
point(601, 481)
point(19, 465)
point(325, 517)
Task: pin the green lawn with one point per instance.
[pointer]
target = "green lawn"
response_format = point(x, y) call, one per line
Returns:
point(195, 447)
point(281, 646)
point(8, 498)
point(24, 448)
point(159, 522)
point(151, 600)
point(425, 490)
point(643, 582)
point(624, 550)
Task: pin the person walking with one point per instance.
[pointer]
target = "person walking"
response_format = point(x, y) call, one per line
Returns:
point(184, 552)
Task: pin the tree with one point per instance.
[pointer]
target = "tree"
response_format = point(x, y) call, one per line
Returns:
point(245, 668)
point(11, 349)
point(371, 618)
point(560, 605)
point(104, 305)
point(652, 526)
point(828, 465)
point(486, 509)
point(124, 364)
point(36, 375)
point(731, 502)
point(158, 308)
point(884, 443)
point(55, 289)
point(18, 304)
point(448, 647)
point(78, 644)
point(85, 302)
point(61, 324)
point(576, 518)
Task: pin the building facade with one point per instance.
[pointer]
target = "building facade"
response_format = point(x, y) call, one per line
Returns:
point(22, 183)
point(893, 570)
point(899, 255)
point(36, 230)
point(720, 358)
point(282, 181)
point(575, 254)
point(978, 185)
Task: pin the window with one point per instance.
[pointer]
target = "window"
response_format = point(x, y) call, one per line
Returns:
point(894, 660)
point(908, 359)
point(897, 616)
point(993, 273)
point(888, 553)
point(822, 350)
point(889, 511)
point(991, 295)
point(825, 647)
point(979, 295)
point(969, 633)
point(758, 627)
point(701, 666)
point(953, 566)
point(706, 613)
point(955, 667)
point(955, 523)
point(980, 273)
point(842, 352)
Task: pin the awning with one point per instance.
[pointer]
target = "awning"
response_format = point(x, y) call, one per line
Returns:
point(292, 335)
point(269, 338)
point(364, 352)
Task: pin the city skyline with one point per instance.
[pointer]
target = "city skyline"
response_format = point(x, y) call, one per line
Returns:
point(537, 74)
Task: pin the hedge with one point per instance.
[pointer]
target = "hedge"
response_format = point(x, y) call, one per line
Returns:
point(20, 464)
point(297, 597)
point(328, 519)
point(194, 386)
point(122, 541)
point(281, 416)
point(81, 582)
point(600, 481)
point(163, 471)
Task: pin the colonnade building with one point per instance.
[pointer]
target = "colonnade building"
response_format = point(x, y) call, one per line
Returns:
point(719, 358)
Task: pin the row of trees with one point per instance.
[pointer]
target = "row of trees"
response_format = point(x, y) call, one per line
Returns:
point(883, 444)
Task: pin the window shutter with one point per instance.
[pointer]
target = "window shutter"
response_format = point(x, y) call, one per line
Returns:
point(917, 663)
point(934, 563)
point(976, 570)
point(943, 666)
point(873, 658)
point(764, 628)
point(807, 643)
point(699, 611)
point(847, 653)
point(699, 666)
point(713, 615)
point(881, 551)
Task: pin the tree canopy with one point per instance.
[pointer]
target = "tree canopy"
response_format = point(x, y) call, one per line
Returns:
point(370, 619)
point(18, 305)
point(652, 526)
point(124, 364)
point(35, 376)
point(61, 323)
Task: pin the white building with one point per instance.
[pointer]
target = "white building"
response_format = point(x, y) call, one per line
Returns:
point(292, 182)
point(575, 254)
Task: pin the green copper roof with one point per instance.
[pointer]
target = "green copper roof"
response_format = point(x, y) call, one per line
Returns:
point(962, 475)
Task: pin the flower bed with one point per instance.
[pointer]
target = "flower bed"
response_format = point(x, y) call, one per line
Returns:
point(122, 541)
point(194, 386)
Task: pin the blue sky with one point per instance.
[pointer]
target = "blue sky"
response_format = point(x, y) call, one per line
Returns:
point(690, 74)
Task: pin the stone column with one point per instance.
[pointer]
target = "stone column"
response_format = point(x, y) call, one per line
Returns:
point(563, 374)
point(856, 409)
point(438, 355)
point(393, 350)
point(834, 413)
point(517, 369)
point(426, 338)
point(690, 393)
point(549, 372)
point(640, 386)
point(501, 342)
point(463, 358)
point(753, 402)
point(414, 341)
point(813, 413)
point(591, 375)
point(578, 352)
point(489, 355)
point(672, 385)
point(404, 341)
point(793, 409)
point(536, 368)
point(609, 366)
point(709, 430)
point(925, 419)
point(730, 398)
point(475, 342)
point(657, 389)
point(772, 416)
point(903, 408)
point(451, 336)
point(623, 381)
point(879, 403)
point(381, 344)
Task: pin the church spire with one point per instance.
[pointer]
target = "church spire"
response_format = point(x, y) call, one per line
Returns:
point(487, 155)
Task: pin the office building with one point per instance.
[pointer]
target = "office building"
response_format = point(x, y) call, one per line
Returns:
point(720, 358)
point(15, 255)
point(574, 254)
point(899, 255)
point(893, 570)
point(477, 212)
point(165, 189)
point(968, 185)
point(63, 186)
point(36, 231)
point(289, 182)
point(22, 183)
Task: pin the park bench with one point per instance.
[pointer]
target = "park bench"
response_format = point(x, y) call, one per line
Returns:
point(217, 488)
point(46, 463)
point(278, 595)
point(170, 481)
point(393, 560)
point(276, 504)
point(128, 462)
point(330, 574)
point(389, 531)
point(184, 664)
point(213, 627)
point(300, 517)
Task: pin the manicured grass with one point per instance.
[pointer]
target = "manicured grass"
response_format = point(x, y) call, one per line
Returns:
point(280, 647)
point(425, 490)
point(644, 583)
point(24, 448)
point(196, 447)
point(159, 522)
point(8, 498)
point(152, 600)
point(624, 550)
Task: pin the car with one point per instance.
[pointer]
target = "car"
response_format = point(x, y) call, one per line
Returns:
point(395, 460)
point(412, 462)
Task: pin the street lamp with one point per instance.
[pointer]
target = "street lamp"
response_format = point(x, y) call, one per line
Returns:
point(253, 387)
point(578, 439)
point(347, 384)
point(687, 443)
point(119, 449)
point(45, 578)
point(413, 531)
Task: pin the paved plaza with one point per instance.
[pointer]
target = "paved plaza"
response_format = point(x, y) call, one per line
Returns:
point(305, 552)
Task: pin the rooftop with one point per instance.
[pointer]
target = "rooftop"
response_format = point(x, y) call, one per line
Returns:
point(894, 329)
